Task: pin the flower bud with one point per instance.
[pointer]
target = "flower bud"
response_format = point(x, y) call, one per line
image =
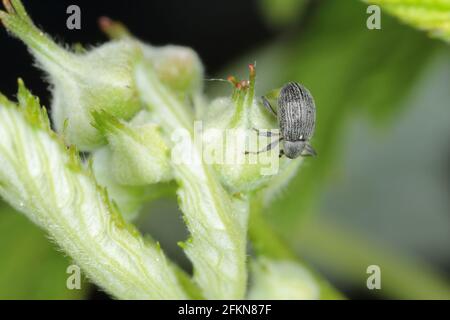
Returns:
point(100, 79)
point(178, 67)
point(128, 199)
point(278, 280)
point(234, 150)
point(139, 155)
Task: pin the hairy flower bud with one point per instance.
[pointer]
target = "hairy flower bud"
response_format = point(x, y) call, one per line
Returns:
point(178, 67)
point(275, 280)
point(231, 136)
point(100, 79)
point(139, 155)
point(128, 198)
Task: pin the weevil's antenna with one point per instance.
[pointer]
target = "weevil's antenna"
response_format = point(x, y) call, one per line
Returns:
point(218, 79)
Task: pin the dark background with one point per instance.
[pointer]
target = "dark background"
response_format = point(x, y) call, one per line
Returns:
point(220, 31)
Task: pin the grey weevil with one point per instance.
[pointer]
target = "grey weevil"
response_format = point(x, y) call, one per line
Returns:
point(296, 118)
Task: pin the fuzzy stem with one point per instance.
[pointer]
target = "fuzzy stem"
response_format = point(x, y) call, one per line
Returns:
point(217, 221)
point(17, 21)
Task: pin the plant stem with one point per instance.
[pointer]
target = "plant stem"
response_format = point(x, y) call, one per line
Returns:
point(216, 220)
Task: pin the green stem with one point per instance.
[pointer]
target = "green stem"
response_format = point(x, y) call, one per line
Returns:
point(17, 21)
point(216, 220)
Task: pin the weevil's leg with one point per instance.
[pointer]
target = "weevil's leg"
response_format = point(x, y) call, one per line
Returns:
point(266, 133)
point(308, 151)
point(268, 106)
point(267, 148)
point(281, 153)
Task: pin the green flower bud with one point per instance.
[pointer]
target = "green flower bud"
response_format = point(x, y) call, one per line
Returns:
point(100, 79)
point(128, 199)
point(179, 68)
point(232, 142)
point(139, 155)
point(280, 280)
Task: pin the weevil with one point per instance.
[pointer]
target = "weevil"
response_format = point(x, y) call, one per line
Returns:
point(296, 118)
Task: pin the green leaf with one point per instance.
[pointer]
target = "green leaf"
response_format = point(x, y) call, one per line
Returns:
point(31, 266)
point(429, 15)
point(37, 177)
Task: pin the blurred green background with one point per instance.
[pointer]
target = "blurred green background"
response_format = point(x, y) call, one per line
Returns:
point(377, 194)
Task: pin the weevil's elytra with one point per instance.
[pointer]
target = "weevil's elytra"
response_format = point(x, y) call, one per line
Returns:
point(296, 113)
point(297, 120)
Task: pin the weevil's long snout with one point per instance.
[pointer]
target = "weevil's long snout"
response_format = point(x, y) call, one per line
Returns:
point(293, 149)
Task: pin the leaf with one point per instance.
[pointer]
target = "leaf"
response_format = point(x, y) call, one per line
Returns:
point(429, 15)
point(31, 266)
point(39, 177)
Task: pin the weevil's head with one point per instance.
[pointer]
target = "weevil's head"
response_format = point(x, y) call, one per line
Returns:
point(293, 149)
